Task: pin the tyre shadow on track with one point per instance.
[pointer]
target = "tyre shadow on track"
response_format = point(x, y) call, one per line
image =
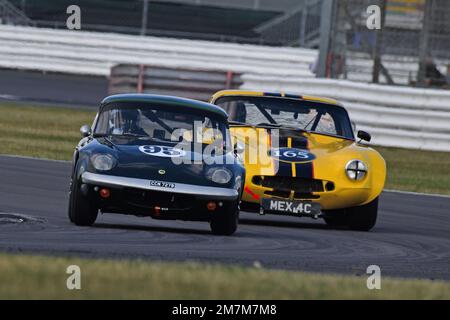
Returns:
point(288, 224)
point(245, 221)
point(149, 228)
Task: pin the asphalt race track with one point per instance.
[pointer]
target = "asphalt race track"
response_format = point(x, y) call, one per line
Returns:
point(412, 238)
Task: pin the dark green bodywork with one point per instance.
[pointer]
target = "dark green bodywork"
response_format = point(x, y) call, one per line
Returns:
point(166, 100)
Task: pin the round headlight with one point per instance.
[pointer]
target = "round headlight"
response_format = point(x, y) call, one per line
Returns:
point(103, 162)
point(356, 170)
point(219, 175)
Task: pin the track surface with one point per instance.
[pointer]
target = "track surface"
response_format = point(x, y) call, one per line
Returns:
point(412, 238)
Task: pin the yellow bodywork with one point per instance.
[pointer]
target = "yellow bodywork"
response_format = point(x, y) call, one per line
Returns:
point(331, 157)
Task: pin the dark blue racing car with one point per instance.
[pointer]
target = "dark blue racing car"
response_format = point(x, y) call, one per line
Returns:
point(157, 156)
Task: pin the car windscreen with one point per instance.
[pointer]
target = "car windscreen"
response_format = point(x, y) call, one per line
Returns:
point(160, 122)
point(310, 116)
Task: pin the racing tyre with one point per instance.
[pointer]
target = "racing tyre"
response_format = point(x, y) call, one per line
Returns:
point(336, 218)
point(81, 211)
point(69, 211)
point(225, 223)
point(363, 218)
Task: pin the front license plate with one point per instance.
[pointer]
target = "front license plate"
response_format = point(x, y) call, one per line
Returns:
point(298, 208)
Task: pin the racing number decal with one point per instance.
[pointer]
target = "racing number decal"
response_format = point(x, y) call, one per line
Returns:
point(294, 158)
point(162, 151)
point(292, 155)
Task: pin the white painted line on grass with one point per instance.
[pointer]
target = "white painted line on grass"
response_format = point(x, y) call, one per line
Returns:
point(33, 158)
point(418, 193)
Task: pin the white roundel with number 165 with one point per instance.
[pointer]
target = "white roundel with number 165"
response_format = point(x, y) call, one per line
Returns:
point(292, 155)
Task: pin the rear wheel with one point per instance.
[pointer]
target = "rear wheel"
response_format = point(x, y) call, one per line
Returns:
point(225, 223)
point(362, 218)
point(81, 211)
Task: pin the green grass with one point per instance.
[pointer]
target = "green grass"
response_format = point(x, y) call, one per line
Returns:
point(52, 133)
point(418, 171)
point(30, 277)
point(42, 132)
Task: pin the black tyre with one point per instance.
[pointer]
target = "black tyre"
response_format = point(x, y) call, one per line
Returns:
point(336, 218)
point(363, 218)
point(81, 211)
point(225, 223)
point(69, 211)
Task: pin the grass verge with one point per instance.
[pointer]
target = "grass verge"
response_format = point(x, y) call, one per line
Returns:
point(38, 277)
point(42, 132)
point(416, 170)
point(50, 132)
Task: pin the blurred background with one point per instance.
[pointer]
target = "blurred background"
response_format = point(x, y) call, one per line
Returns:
point(393, 80)
point(411, 49)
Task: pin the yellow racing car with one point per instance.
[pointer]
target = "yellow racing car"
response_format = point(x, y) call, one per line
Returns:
point(303, 159)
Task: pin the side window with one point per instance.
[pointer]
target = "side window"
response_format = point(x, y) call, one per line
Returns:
point(102, 123)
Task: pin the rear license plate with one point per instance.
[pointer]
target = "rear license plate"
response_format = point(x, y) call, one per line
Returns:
point(297, 208)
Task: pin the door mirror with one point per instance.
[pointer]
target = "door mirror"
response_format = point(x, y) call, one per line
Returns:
point(238, 149)
point(365, 136)
point(85, 130)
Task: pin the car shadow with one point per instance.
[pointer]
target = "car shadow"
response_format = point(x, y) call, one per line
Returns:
point(287, 224)
point(149, 228)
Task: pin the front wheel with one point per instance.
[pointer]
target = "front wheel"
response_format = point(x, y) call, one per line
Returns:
point(336, 218)
point(225, 223)
point(362, 218)
point(81, 211)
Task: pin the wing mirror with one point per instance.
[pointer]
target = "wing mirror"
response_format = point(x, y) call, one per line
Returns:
point(85, 131)
point(238, 149)
point(365, 136)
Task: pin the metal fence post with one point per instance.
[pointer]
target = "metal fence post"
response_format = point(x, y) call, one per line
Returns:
point(144, 17)
point(424, 42)
point(304, 17)
point(378, 45)
point(326, 26)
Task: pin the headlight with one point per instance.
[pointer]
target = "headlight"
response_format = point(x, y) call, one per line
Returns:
point(103, 162)
point(356, 170)
point(219, 175)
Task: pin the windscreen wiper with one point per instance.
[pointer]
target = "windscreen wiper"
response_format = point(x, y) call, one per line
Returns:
point(130, 134)
point(272, 125)
point(241, 124)
point(105, 137)
point(280, 126)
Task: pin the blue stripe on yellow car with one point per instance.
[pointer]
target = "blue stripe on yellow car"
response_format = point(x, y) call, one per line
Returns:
point(284, 168)
point(305, 169)
point(294, 167)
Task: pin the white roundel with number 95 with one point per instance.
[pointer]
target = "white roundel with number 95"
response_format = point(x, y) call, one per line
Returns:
point(292, 155)
point(162, 151)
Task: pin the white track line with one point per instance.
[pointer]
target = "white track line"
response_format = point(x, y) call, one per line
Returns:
point(33, 158)
point(418, 193)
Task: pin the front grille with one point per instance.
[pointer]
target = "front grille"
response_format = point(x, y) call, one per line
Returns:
point(286, 184)
point(278, 194)
point(149, 199)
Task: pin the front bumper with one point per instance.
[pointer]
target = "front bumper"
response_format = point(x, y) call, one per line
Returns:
point(330, 195)
point(140, 197)
point(200, 192)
